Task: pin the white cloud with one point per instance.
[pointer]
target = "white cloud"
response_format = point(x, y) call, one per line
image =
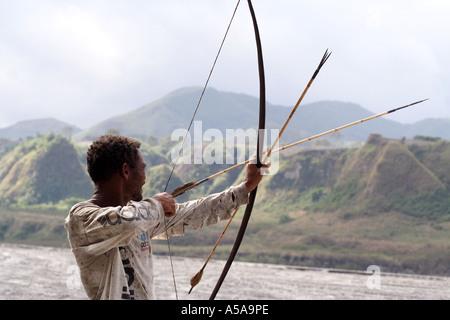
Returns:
point(83, 61)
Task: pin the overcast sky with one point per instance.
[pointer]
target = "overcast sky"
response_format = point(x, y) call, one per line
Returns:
point(85, 61)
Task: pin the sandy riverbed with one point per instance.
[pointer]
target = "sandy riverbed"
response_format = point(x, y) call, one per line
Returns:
point(32, 272)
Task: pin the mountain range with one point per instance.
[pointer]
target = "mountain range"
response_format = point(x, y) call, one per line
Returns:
point(227, 110)
point(31, 128)
point(384, 202)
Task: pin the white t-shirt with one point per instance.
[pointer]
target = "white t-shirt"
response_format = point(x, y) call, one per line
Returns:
point(112, 244)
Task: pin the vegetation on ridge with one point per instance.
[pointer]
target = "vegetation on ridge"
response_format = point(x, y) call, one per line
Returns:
point(42, 170)
point(384, 203)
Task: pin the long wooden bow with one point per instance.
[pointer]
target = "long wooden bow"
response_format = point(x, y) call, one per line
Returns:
point(261, 127)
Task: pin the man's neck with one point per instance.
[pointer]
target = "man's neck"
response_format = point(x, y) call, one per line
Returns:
point(108, 194)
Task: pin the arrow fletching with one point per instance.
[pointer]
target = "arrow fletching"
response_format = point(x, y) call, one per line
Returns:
point(196, 279)
point(180, 190)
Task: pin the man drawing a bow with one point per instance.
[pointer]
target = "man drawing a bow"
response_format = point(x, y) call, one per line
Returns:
point(110, 233)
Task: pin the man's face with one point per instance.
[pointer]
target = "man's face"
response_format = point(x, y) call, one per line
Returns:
point(137, 178)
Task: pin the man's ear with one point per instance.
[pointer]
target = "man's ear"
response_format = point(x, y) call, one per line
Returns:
point(125, 170)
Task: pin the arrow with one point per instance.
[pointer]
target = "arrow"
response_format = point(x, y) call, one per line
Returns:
point(322, 62)
point(346, 126)
point(198, 276)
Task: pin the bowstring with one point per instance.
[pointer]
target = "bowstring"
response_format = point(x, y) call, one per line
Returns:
point(201, 95)
point(185, 137)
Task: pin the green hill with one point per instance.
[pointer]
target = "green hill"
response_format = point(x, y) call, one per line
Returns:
point(381, 175)
point(384, 175)
point(42, 170)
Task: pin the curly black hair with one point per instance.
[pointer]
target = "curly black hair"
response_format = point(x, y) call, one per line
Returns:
point(107, 154)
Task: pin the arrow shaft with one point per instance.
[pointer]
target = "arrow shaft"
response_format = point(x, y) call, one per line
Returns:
point(328, 132)
point(345, 126)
